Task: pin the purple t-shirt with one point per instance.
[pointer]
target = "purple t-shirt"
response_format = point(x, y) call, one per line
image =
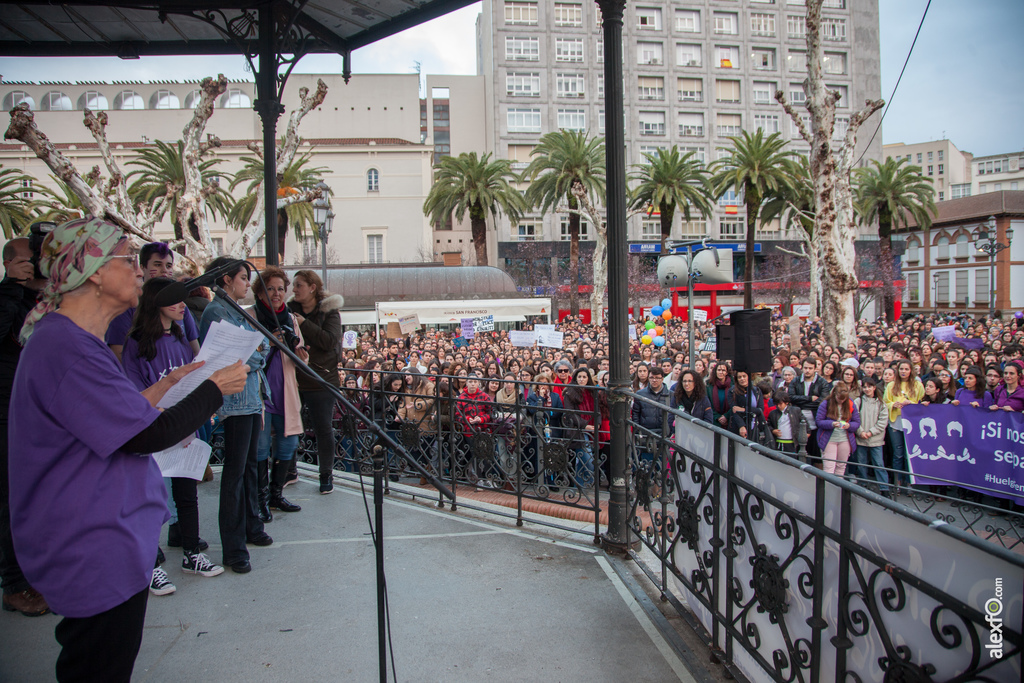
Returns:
point(85, 516)
point(117, 332)
point(171, 353)
point(275, 383)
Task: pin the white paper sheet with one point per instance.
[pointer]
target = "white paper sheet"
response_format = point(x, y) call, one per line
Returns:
point(225, 344)
point(522, 337)
point(188, 462)
point(551, 339)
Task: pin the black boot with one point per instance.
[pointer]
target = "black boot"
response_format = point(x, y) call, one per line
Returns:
point(277, 500)
point(293, 473)
point(263, 492)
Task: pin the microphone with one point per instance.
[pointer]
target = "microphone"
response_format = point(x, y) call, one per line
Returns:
point(176, 293)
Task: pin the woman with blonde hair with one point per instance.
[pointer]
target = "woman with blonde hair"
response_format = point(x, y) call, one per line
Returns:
point(905, 389)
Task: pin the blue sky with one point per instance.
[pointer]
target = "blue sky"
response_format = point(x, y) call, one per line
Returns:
point(965, 80)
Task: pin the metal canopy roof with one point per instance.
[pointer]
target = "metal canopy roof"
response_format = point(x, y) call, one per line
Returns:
point(129, 29)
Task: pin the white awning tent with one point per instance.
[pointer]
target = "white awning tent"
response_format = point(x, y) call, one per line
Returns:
point(452, 312)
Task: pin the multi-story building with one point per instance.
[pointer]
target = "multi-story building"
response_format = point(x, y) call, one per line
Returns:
point(695, 74)
point(998, 172)
point(940, 160)
point(367, 135)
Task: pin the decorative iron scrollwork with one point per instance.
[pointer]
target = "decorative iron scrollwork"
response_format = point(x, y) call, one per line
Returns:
point(482, 446)
point(409, 435)
point(556, 458)
point(769, 584)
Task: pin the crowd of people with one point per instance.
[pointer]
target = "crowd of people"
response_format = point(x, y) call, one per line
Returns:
point(86, 353)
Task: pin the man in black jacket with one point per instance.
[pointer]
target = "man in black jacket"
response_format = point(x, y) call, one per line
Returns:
point(652, 417)
point(17, 297)
point(807, 392)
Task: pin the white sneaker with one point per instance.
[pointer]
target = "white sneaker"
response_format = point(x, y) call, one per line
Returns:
point(161, 585)
point(199, 563)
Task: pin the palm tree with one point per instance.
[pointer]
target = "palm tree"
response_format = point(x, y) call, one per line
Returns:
point(893, 194)
point(668, 181)
point(14, 209)
point(562, 161)
point(59, 205)
point(295, 179)
point(479, 186)
point(161, 171)
point(757, 168)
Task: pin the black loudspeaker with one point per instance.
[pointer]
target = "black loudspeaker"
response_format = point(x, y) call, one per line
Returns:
point(726, 347)
point(753, 340)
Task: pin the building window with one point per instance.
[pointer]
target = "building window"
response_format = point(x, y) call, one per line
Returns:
point(831, 4)
point(26, 186)
point(600, 122)
point(960, 190)
point(728, 124)
point(762, 24)
point(942, 195)
point(568, 49)
point(691, 125)
point(941, 154)
point(375, 248)
point(648, 18)
point(563, 229)
point(687, 21)
point(961, 286)
point(164, 99)
point(570, 85)
point(769, 123)
point(652, 123)
point(600, 51)
point(373, 180)
point(762, 59)
point(698, 153)
point(914, 287)
point(217, 244)
point(931, 170)
point(651, 88)
point(931, 157)
point(527, 232)
point(982, 289)
point(650, 231)
point(727, 57)
point(522, 49)
point(690, 89)
point(93, 101)
point(797, 94)
point(942, 287)
point(653, 150)
point(794, 131)
point(796, 26)
point(844, 100)
point(698, 227)
point(942, 169)
point(688, 54)
point(522, 84)
point(524, 120)
point(942, 249)
point(235, 99)
point(260, 248)
point(727, 91)
point(519, 155)
point(16, 97)
point(568, 14)
point(521, 13)
point(962, 246)
point(796, 60)
point(649, 53)
point(572, 119)
point(309, 254)
point(920, 158)
point(763, 92)
point(600, 86)
point(913, 251)
point(834, 63)
point(725, 23)
point(833, 29)
point(842, 125)
point(57, 101)
point(192, 99)
point(732, 230)
point(983, 188)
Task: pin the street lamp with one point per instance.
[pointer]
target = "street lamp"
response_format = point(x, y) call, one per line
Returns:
point(985, 242)
point(935, 291)
point(324, 219)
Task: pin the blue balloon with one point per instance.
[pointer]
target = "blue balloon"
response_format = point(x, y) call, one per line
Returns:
point(659, 341)
point(666, 303)
point(657, 311)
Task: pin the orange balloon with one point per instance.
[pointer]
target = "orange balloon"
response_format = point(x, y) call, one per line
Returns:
point(659, 330)
point(667, 315)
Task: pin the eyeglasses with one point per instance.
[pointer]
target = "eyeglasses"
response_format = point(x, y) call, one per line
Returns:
point(131, 259)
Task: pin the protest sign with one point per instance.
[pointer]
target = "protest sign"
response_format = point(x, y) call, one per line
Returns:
point(982, 449)
point(947, 333)
point(550, 339)
point(522, 337)
point(710, 345)
point(700, 315)
point(468, 331)
point(632, 333)
point(484, 323)
point(350, 340)
point(409, 323)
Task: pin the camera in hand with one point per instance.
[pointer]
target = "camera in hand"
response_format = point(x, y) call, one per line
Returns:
point(37, 234)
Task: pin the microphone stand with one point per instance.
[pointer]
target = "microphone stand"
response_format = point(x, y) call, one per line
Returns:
point(378, 468)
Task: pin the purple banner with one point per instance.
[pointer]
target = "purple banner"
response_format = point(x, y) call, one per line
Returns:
point(948, 333)
point(981, 449)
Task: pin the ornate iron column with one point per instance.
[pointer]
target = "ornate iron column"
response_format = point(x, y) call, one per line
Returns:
point(268, 106)
point(617, 537)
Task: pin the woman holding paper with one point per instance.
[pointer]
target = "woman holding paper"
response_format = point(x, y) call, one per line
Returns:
point(156, 346)
point(242, 418)
point(86, 510)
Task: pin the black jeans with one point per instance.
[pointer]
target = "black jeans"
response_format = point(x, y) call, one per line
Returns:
point(103, 647)
point(11, 579)
point(320, 408)
point(183, 490)
point(239, 483)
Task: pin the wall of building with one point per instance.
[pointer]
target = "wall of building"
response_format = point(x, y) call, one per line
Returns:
point(940, 160)
point(998, 172)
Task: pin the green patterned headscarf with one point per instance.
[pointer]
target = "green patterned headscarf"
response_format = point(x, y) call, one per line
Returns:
point(71, 254)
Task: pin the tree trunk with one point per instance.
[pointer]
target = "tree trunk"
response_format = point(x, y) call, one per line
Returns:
point(282, 233)
point(667, 214)
point(753, 203)
point(574, 257)
point(600, 271)
point(885, 269)
point(478, 226)
point(814, 298)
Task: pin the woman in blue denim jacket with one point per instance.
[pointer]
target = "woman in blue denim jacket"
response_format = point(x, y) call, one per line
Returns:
point(242, 418)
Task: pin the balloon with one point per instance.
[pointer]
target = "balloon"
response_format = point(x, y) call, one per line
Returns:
point(657, 311)
point(658, 331)
point(659, 341)
point(649, 325)
point(646, 339)
point(667, 315)
point(1018, 315)
point(666, 303)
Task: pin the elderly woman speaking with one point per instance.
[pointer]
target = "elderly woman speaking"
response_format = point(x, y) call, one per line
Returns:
point(86, 503)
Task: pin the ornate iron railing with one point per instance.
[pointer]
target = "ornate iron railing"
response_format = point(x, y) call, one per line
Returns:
point(797, 575)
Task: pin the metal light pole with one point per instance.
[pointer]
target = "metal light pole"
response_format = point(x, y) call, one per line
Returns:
point(935, 292)
point(986, 243)
point(324, 218)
